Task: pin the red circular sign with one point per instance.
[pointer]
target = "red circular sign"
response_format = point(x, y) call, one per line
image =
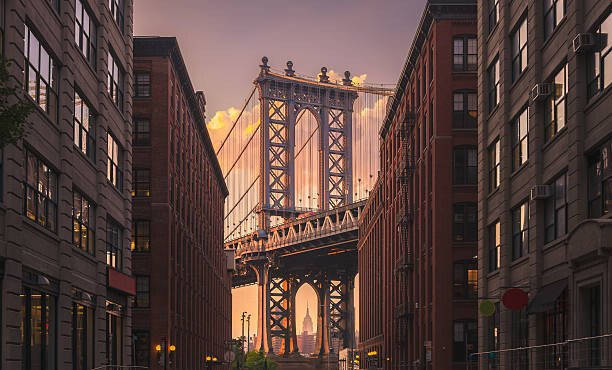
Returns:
point(514, 299)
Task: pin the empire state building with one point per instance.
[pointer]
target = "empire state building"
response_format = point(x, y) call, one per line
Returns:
point(306, 340)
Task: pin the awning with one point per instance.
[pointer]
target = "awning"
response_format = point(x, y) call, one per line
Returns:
point(546, 297)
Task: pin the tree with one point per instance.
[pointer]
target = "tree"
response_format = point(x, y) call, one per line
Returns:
point(257, 360)
point(13, 110)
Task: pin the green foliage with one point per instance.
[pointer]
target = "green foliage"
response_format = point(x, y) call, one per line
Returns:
point(256, 360)
point(13, 110)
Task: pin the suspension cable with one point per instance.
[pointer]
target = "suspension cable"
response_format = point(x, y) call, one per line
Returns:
point(241, 221)
point(236, 121)
point(242, 152)
point(241, 197)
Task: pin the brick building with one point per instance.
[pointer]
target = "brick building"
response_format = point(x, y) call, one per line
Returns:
point(545, 184)
point(65, 210)
point(183, 287)
point(418, 234)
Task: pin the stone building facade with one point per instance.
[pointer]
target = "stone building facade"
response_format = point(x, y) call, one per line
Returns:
point(545, 187)
point(65, 209)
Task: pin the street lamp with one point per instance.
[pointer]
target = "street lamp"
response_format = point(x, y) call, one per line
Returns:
point(248, 338)
point(210, 361)
point(164, 351)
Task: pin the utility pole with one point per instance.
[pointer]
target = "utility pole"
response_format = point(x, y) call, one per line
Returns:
point(248, 333)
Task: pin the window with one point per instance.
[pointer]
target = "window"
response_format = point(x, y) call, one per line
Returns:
point(591, 318)
point(494, 246)
point(82, 222)
point(54, 4)
point(38, 329)
point(143, 84)
point(114, 163)
point(114, 81)
point(554, 11)
point(556, 105)
point(40, 74)
point(83, 337)
point(142, 132)
point(431, 64)
point(465, 281)
point(465, 226)
point(114, 244)
point(493, 14)
point(520, 139)
point(40, 192)
point(600, 182)
point(519, 50)
point(494, 336)
point(555, 331)
point(465, 339)
point(493, 85)
point(85, 32)
point(141, 236)
point(465, 109)
point(114, 336)
point(142, 292)
point(465, 166)
point(465, 53)
point(116, 8)
point(599, 63)
point(555, 214)
point(519, 337)
point(520, 231)
point(84, 127)
point(494, 166)
point(141, 183)
point(142, 345)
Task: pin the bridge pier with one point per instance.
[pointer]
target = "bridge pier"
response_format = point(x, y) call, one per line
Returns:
point(262, 270)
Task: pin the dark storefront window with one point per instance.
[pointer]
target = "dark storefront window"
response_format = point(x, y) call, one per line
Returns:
point(465, 339)
point(600, 182)
point(465, 109)
point(114, 337)
point(40, 74)
point(465, 166)
point(555, 214)
point(38, 330)
point(520, 231)
point(83, 337)
point(40, 192)
point(599, 63)
point(83, 216)
point(465, 222)
point(141, 182)
point(519, 337)
point(142, 343)
point(493, 337)
point(555, 331)
point(114, 242)
point(494, 246)
point(465, 281)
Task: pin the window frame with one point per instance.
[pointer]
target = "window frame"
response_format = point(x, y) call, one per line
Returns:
point(117, 12)
point(84, 226)
point(87, 344)
point(142, 292)
point(520, 234)
point(48, 319)
point(49, 105)
point(467, 174)
point(462, 118)
point(49, 195)
point(494, 243)
point(596, 61)
point(494, 157)
point(142, 347)
point(141, 137)
point(520, 55)
point(493, 14)
point(552, 221)
point(138, 236)
point(465, 65)
point(86, 38)
point(84, 129)
point(465, 231)
point(114, 162)
point(553, 319)
point(520, 139)
point(142, 89)
point(141, 185)
point(600, 180)
point(114, 244)
point(493, 84)
point(115, 80)
point(552, 122)
point(463, 282)
point(553, 11)
point(469, 333)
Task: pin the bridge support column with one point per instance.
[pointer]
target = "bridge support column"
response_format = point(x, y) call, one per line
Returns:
point(292, 346)
point(264, 342)
point(323, 329)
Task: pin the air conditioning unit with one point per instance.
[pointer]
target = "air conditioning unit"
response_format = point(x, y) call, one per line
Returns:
point(586, 42)
point(542, 91)
point(541, 192)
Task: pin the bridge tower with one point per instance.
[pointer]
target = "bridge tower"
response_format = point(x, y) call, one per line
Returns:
point(282, 97)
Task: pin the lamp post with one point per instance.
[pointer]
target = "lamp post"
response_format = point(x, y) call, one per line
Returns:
point(242, 337)
point(210, 361)
point(165, 351)
point(248, 339)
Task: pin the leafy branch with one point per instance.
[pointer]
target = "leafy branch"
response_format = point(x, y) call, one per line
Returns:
point(13, 110)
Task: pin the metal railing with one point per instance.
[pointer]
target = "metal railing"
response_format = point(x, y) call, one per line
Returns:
point(120, 367)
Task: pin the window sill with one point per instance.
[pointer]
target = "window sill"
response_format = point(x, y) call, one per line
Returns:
point(493, 111)
point(469, 129)
point(596, 99)
point(118, 191)
point(519, 169)
point(92, 68)
point(519, 261)
point(554, 138)
point(492, 193)
point(548, 39)
point(89, 161)
point(466, 72)
point(492, 32)
point(493, 274)
point(41, 112)
point(89, 256)
point(466, 186)
point(462, 243)
point(553, 243)
point(41, 228)
point(142, 98)
point(519, 78)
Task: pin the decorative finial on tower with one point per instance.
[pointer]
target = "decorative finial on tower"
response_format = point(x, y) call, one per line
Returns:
point(347, 78)
point(289, 71)
point(323, 77)
point(265, 68)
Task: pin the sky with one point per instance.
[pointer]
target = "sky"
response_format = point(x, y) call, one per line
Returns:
point(222, 42)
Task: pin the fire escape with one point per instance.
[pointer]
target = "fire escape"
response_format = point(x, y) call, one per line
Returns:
point(404, 265)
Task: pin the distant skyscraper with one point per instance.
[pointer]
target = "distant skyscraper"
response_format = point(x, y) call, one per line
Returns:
point(306, 340)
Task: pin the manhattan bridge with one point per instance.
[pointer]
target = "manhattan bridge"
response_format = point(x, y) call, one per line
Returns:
point(300, 160)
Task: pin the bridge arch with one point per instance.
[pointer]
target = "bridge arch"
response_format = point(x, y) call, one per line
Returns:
point(306, 159)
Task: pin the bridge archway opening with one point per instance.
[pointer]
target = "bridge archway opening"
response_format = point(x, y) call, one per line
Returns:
point(306, 184)
point(307, 304)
